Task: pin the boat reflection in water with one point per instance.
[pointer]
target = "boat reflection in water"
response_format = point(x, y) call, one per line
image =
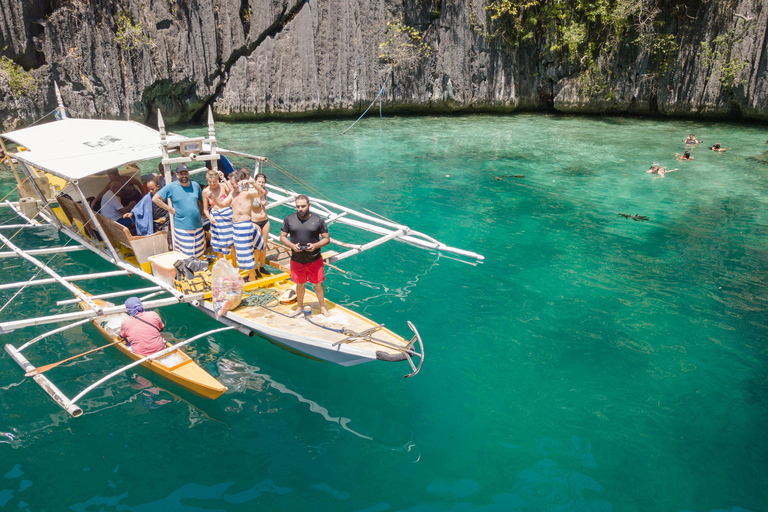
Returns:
point(240, 378)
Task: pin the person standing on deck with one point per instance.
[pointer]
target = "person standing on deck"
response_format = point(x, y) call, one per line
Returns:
point(308, 233)
point(187, 207)
point(219, 216)
point(261, 221)
point(246, 236)
point(142, 329)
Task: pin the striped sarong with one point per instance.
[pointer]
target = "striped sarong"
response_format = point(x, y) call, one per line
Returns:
point(222, 236)
point(258, 243)
point(245, 234)
point(189, 241)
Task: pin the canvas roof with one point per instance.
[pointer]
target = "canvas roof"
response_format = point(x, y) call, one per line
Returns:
point(76, 148)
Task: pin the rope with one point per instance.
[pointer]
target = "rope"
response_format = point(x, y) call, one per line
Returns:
point(378, 97)
point(261, 298)
point(340, 331)
point(46, 115)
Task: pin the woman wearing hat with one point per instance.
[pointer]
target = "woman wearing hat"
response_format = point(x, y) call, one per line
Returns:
point(142, 329)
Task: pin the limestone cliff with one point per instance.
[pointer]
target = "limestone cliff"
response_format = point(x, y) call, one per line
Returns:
point(277, 58)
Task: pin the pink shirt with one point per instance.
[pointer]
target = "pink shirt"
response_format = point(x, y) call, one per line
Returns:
point(145, 339)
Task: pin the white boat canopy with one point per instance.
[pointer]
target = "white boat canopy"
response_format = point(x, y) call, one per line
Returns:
point(87, 146)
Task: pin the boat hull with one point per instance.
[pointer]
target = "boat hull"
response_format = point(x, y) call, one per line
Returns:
point(187, 374)
point(184, 371)
point(308, 337)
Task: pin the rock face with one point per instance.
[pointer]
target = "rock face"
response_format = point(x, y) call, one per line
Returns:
point(275, 58)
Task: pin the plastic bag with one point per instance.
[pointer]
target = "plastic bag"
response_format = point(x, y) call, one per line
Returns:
point(226, 287)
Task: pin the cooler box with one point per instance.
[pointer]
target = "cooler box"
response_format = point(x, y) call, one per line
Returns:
point(162, 265)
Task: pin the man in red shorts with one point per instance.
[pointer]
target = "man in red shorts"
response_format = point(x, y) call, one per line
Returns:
point(308, 233)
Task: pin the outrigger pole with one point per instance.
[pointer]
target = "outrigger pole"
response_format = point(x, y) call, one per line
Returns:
point(50, 272)
point(388, 230)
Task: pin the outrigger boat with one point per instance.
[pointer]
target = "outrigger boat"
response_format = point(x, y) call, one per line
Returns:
point(63, 163)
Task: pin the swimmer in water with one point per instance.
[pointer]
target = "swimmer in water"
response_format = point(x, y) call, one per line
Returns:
point(685, 156)
point(661, 171)
point(717, 148)
point(691, 139)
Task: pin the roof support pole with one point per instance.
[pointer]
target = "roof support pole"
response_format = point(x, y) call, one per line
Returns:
point(28, 171)
point(92, 216)
point(10, 162)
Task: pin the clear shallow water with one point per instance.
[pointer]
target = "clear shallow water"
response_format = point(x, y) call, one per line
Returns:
point(590, 363)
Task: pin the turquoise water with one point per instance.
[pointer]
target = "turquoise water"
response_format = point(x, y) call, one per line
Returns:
point(591, 363)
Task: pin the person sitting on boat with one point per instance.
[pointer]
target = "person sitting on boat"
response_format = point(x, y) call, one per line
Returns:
point(139, 213)
point(308, 233)
point(685, 156)
point(220, 216)
point(716, 147)
point(112, 208)
point(187, 207)
point(261, 221)
point(160, 176)
point(142, 329)
point(246, 236)
point(691, 139)
point(130, 189)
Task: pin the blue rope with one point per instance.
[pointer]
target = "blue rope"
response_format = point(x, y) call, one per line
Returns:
point(341, 331)
point(378, 97)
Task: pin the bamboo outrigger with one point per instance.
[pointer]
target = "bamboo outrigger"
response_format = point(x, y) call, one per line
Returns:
point(64, 164)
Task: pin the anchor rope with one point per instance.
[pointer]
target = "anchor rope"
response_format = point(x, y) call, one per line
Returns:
point(46, 115)
point(378, 97)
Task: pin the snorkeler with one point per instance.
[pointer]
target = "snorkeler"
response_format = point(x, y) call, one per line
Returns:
point(685, 156)
point(691, 139)
point(717, 148)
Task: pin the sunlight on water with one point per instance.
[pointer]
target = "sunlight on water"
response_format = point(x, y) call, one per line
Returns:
point(592, 362)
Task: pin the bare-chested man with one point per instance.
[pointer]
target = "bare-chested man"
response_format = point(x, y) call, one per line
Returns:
point(247, 237)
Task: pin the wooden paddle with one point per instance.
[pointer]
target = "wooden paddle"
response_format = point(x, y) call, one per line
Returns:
point(43, 369)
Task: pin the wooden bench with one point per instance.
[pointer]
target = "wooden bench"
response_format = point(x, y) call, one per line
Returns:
point(142, 247)
point(76, 212)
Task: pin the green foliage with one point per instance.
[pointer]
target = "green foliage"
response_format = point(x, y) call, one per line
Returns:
point(663, 50)
point(128, 35)
point(403, 46)
point(717, 57)
point(22, 82)
point(579, 28)
point(587, 33)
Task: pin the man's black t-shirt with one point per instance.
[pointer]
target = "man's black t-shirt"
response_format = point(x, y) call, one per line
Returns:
point(304, 232)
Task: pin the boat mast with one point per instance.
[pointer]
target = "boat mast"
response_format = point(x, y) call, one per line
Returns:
point(212, 140)
point(61, 110)
point(166, 169)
